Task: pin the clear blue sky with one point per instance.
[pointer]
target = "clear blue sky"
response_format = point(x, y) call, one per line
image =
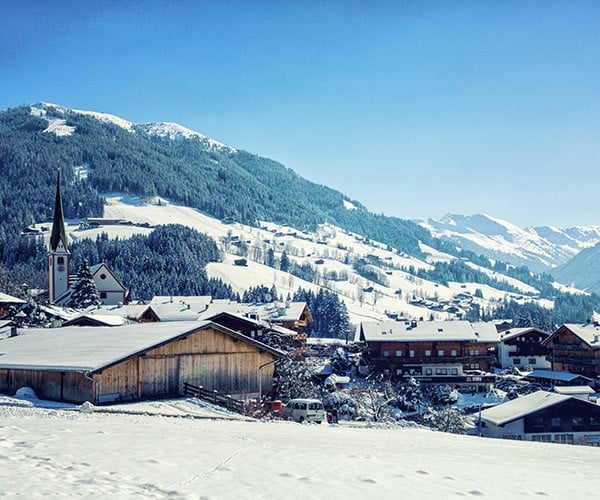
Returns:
point(415, 109)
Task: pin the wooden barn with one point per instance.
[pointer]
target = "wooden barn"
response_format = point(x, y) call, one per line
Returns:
point(131, 362)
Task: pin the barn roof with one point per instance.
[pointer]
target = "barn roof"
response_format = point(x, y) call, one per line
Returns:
point(91, 349)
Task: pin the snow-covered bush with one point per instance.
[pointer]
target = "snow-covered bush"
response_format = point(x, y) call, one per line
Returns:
point(441, 395)
point(446, 420)
point(295, 379)
point(410, 396)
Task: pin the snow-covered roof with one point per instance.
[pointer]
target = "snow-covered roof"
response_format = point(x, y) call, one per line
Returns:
point(516, 332)
point(129, 311)
point(406, 331)
point(572, 390)
point(589, 333)
point(5, 298)
point(557, 376)
point(105, 319)
point(193, 300)
point(259, 323)
point(89, 349)
point(522, 406)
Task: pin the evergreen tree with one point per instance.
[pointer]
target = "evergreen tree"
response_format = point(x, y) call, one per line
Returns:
point(85, 293)
point(284, 264)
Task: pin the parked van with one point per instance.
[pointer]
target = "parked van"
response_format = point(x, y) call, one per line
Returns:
point(309, 410)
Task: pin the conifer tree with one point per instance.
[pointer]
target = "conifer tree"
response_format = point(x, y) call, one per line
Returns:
point(85, 293)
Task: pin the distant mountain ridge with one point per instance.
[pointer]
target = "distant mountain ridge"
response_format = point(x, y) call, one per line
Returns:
point(540, 248)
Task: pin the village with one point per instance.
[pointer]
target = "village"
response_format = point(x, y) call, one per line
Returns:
point(256, 359)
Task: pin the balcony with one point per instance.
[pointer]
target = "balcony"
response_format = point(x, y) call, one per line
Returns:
point(572, 360)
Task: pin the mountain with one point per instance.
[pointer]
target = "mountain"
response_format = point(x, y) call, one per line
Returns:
point(255, 208)
point(539, 248)
point(583, 270)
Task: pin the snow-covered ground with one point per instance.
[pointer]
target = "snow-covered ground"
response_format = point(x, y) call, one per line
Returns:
point(68, 453)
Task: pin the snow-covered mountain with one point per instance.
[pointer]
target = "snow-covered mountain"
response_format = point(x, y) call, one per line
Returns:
point(540, 248)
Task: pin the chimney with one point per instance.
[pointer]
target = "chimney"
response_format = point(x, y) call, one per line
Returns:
point(13, 331)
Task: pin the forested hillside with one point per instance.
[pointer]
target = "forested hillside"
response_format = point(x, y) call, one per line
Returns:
point(99, 156)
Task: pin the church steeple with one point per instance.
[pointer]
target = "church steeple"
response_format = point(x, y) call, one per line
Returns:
point(58, 223)
point(58, 253)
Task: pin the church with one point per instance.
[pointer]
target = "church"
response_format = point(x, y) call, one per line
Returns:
point(110, 288)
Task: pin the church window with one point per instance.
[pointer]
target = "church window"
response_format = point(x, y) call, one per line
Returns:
point(61, 261)
point(103, 276)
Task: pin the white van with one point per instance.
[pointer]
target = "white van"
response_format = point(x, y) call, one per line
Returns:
point(309, 410)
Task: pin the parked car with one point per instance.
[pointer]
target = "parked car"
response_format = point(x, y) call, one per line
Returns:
point(306, 410)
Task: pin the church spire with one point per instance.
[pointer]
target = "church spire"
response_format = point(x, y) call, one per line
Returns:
point(58, 223)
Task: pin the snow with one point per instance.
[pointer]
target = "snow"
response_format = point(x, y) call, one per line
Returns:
point(348, 205)
point(59, 127)
point(109, 455)
point(174, 131)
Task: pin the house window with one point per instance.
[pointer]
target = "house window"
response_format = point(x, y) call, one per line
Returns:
point(411, 354)
point(538, 423)
point(386, 354)
point(555, 422)
point(428, 371)
point(398, 371)
point(454, 371)
point(563, 438)
point(516, 361)
point(398, 354)
point(577, 423)
point(103, 295)
point(441, 371)
point(595, 422)
point(453, 352)
point(474, 365)
point(531, 361)
point(476, 352)
point(542, 438)
point(440, 352)
point(427, 353)
point(386, 372)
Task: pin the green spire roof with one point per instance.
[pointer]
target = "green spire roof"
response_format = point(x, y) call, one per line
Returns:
point(58, 223)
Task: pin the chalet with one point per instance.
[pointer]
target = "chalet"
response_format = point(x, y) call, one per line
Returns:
point(7, 302)
point(453, 352)
point(522, 347)
point(132, 362)
point(575, 348)
point(544, 416)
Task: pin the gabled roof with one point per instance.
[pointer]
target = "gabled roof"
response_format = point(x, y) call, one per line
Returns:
point(590, 334)
point(423, 331)
point(557, 376)
point(96, 320)
point(95, 269)
point(91, 349)
point(517, 332)
point(523, 406)
point(572, 390)
point(250, 321)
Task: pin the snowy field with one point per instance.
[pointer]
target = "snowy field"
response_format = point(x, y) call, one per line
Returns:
point(67, 453)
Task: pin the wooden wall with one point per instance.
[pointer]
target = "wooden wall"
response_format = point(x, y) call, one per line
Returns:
point(209, 358)
point(55, 386)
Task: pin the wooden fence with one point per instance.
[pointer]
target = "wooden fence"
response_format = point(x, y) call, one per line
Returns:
point(215, 397)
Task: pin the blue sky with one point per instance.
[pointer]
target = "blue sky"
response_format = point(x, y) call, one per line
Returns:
point(415, 109)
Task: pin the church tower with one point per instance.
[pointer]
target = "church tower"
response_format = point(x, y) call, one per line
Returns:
point(58, 252)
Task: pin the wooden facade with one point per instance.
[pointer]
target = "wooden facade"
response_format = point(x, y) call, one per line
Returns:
point(570, 352)
point(401, 358)
point(210, 356)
